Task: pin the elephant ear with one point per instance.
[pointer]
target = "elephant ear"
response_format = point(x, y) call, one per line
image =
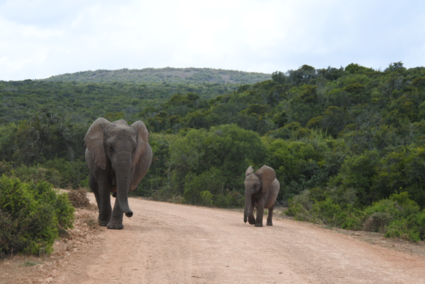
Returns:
point(142, 140)
point(94, 141)
point(249, 171)
point(267, 175)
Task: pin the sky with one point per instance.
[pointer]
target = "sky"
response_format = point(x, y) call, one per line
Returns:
point(43, 38)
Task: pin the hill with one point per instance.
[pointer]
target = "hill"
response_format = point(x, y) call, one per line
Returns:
point(165, 75)
point(88, 101)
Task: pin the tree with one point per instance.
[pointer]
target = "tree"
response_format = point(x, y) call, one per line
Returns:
point(226, 148)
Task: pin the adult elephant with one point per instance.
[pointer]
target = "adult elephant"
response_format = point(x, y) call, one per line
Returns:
point(261, 190)
point(118, 157)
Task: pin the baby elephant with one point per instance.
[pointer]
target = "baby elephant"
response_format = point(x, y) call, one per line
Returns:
point(261, 189)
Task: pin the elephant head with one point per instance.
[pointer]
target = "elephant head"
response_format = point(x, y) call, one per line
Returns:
point(117, 147)
point(257, 184)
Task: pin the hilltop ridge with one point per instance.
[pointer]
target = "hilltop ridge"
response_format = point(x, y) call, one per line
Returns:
point(164, 75)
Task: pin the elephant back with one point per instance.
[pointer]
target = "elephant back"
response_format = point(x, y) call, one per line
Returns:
point(267, 175)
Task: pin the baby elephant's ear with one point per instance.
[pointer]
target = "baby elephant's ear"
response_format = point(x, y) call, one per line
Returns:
point(267, 175)
point(94, 141)
point(249, 171)
point(142, 140)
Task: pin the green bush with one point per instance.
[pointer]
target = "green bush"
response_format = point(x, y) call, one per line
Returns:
point(229, 199)
point(300, 206)
point(30, 216)
point(211, 181)
point(58, 172)
point(329, 213)
point(411, 227)
point(206, 197)
point(72, 174)
point(393, 210)
point(30, 174)
point(213, 160)
point(353, 220)
point(307, 207)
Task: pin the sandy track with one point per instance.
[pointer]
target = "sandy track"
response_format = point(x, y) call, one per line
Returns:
point(169, 243)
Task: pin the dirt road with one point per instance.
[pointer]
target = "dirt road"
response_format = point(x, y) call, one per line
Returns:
point(169, 243)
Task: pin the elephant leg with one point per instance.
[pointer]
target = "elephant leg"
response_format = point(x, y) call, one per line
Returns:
point(251, 218)
point(94, 188)
point(270, 216)
point(104, 202)
point(260, 213)
point(116, 219)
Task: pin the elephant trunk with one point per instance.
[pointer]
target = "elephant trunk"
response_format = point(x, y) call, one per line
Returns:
point(123, 185)
point(247, 207)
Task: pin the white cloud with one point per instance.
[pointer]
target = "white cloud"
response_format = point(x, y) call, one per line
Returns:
point(42, 38)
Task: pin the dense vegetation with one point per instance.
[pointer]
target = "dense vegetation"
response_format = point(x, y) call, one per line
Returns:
point(31, 216)
point(164, 75)
point(347, 144)
point(83, 102)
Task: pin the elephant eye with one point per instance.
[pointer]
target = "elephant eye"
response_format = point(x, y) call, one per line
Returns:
point(111, 148)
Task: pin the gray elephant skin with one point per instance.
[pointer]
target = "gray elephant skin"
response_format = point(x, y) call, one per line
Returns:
point(118, 157)
point(261, 190)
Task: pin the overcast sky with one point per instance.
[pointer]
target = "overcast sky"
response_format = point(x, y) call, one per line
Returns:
point(42, 38)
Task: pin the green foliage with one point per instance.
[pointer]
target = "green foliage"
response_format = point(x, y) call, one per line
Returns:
point(411, 228)
point(350, 137)
point(114, 116)
point(46, 135)
point(206, 197)
point(397, 216)
point(200, 189)
point(219, 156)
point(305, 207)
point(357, 69)
point(59, 172)
point(30, 215)
point(72, 174)
point(156, 181)
point(401, 169)
point(36, 174)
point(357, 172)
point(298, 165)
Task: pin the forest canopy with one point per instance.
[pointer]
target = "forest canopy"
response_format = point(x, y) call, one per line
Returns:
point(347, 143)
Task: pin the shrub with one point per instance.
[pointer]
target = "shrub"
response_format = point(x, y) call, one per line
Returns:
point(301, 203)
point(329, 213)
point(211, 181)
point(354, 220)
point(229, 199)
point(377, 221)
point(411, 227)
point(31, 174)
point(72, 174)
point(225, 148)
point(396, 208)
point(78, 198)
point(30, 215)
point(206, 197)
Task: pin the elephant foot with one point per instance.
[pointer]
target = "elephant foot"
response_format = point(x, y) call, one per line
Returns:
point(251, 220)
point(115, 226)
point(103, 219)
point(269, 224)
point(258, 225)
point(103, 223)
point(116, 223)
